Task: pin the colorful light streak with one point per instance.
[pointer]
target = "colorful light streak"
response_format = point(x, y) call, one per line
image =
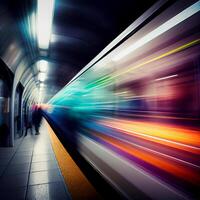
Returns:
point(185, 14)
point(161, 161)
point(144, 108)
point(185, 137)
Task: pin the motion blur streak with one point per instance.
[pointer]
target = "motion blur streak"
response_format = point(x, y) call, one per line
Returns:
point(154, 158)
point(180, 48)
point(163, 28)
point(184, 137)
point(135, 116)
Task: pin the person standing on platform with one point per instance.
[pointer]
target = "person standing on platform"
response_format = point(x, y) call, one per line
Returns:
point(28, 122)
point(37, 118)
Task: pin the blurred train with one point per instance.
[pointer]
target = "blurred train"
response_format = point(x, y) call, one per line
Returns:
point(134, 113)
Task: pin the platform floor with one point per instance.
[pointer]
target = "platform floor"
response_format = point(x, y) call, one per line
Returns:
point(30, 170)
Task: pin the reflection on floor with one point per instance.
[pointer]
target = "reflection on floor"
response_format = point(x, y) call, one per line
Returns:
point(30, 171)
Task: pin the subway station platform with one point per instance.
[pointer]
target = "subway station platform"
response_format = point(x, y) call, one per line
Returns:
point(30, 170)
point(116, 85)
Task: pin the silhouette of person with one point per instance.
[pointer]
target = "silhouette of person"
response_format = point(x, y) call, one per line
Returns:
point(28, 124)
point(37, 118)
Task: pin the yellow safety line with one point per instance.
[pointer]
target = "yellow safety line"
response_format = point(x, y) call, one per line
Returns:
point(78, 185)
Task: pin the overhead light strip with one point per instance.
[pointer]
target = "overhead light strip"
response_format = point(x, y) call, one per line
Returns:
point(45, 12)
point(41, 77)
point(42, 65)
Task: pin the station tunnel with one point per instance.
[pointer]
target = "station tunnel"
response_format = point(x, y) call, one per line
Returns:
point(100, 99)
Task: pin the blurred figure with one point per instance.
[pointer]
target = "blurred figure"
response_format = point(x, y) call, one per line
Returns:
point(28, 122)
point(37, 117)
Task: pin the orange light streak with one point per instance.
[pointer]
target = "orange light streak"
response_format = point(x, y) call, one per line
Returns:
point(166, 164)
point(180, 138)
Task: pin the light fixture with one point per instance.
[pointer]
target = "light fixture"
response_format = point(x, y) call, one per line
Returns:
point(41, 76)
point(42, 65)
point(45, 10)
point(42, 89)
point(41, 85)
point(33, 25)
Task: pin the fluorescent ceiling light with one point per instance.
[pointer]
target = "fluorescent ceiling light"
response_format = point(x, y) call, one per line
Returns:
point(41, 77)
point(33, 25)
point(45, 10)
point(42, 89)
point(42, 65)
point(42, 85)
point(188, 12)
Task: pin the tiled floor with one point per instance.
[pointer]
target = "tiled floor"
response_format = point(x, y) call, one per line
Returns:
point(30, 170)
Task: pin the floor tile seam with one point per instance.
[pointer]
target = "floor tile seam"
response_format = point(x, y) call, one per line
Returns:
point(46, 183)
point(43, 170)
point(48, 161)
point(11, 158)
point(51, 170)
point(22, 156)
point(43, 160)
point(26, 192)
point(51, 164)
point(45, 154)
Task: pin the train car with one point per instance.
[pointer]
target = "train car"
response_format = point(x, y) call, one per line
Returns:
point(133, 115)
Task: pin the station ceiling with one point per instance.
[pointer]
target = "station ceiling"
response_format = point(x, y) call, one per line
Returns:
point(80, 30)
